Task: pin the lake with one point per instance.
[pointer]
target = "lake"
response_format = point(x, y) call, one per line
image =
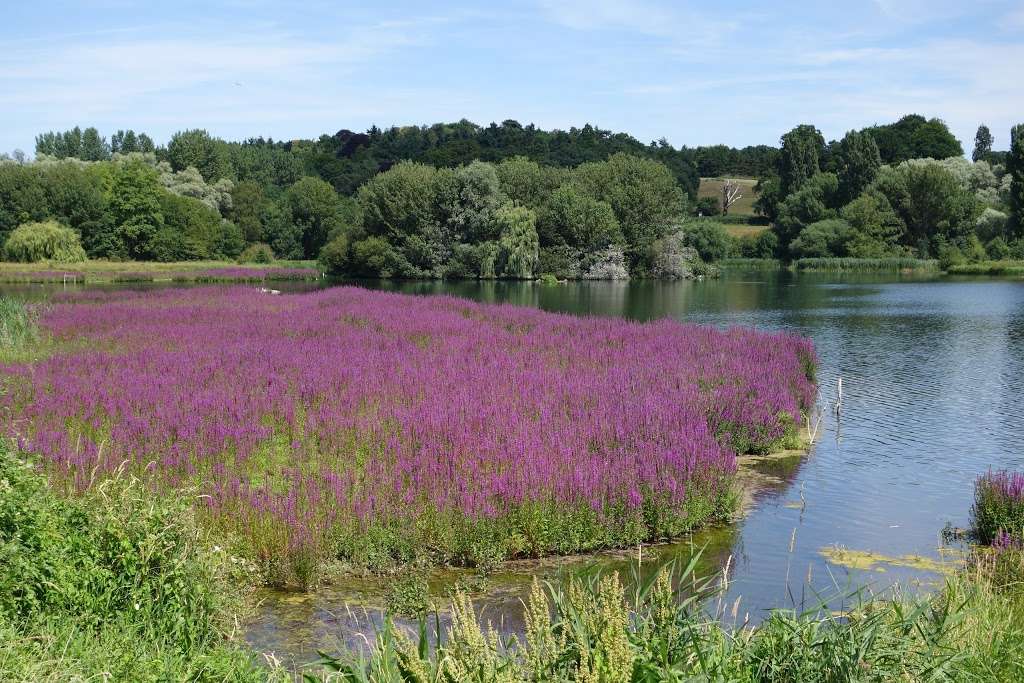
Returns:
point(933, 375)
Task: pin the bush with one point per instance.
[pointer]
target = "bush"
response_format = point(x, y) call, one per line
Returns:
point(46, 241)
point(257, 253)
point(111, 584)
point(673, 259)
point(709, 238)
point(764, 245)
point(334, 256)
point(562, 262)
point(607, 264)
point(707, 206)
point(822, 239)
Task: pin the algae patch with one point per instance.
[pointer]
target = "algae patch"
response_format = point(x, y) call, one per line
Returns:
point(866, 560)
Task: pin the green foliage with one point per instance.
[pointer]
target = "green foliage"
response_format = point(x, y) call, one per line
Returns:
point(982, 143)
point(468, 199)
point(914, 137)
point(814, 202)
point(829, 237)
point(642, 193)
point(857, 161)
point(113, 583)
point(375, 257)
point(518, 244)
point(257, 253)
point(1015, 169)
point(135, 216)
point(710, 239)
point(877, 229)
point(707, 206)
point(87, 145)
point(526, 182)
point(930, 201)
point(314, 209)
point(998, 507)
point(198, 149)
point(334, 257)
point(594, 629)
point(575, 219)
point(248, 208)
point(409, 595)
point(769, 196)
point(891, 264)
point(800, 157)
point(48, 241)
point(127, 141)
point(764, 245)
point(19, 332)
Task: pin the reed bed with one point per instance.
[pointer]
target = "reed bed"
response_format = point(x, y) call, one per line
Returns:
point(866, 264)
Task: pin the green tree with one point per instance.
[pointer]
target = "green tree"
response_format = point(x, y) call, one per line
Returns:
point(811, 203)
point(877, 229)
point(468, 198)
point(197, 148)
point(643, 194)
point(982, 143)
point(22, 196)
point(799, 158)
point(932, 203)
point(824, 238)
point(1015, 169)
point(135, 214)
point(576, 219)
point(46, 241)
point(857, 162)
point(94, 146)
point(314, 207)
point(248, 204)
point(709, 238)
point(526, 182)
point(518, 244)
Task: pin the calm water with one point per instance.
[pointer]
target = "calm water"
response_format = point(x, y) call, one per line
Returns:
point(933, 375)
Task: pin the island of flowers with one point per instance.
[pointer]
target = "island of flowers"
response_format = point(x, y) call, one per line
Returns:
point(383, 429)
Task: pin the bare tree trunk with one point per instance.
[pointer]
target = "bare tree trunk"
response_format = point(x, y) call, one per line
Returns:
point(730, 195)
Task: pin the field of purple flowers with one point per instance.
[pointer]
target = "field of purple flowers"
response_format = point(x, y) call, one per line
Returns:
point(382, 429)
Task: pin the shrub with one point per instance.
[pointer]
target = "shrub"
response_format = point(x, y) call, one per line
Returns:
point(113, 583)
point(997, 249)
point(765, 245)
point(707, 206)
point(709, 238)
point(257, 253)
point(562, 262)
point(672, 259)
point(46, 241)
point(334, 256)
point(607, 264)
point(823, 238)
point(998, 506)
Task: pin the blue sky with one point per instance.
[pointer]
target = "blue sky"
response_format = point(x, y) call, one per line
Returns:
point(695, 73)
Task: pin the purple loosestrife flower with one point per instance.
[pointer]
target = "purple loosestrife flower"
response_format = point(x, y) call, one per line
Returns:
point(350, 407)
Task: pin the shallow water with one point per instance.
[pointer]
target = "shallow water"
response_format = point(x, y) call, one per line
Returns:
point(933, 372)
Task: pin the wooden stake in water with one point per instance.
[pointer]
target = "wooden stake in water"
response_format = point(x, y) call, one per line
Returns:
point(839, 395)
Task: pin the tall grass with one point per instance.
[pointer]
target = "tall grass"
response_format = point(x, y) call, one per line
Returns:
point(19, 333)
point(1015, 268)
point(865, 264)
point(593, 629)
point(112, 585)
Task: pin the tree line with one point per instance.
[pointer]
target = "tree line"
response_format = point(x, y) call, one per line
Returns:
point(460, 200)
point(898, 190)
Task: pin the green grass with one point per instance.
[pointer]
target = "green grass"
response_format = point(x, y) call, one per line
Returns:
point(594, 629)
point(1015, 268)
point(19, 334)
point(712, 187)
point(865, 264)
point(751, 263)
point(113, 584)
point(126, 271)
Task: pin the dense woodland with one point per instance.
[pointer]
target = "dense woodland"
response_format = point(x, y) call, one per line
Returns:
point(464, 201)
